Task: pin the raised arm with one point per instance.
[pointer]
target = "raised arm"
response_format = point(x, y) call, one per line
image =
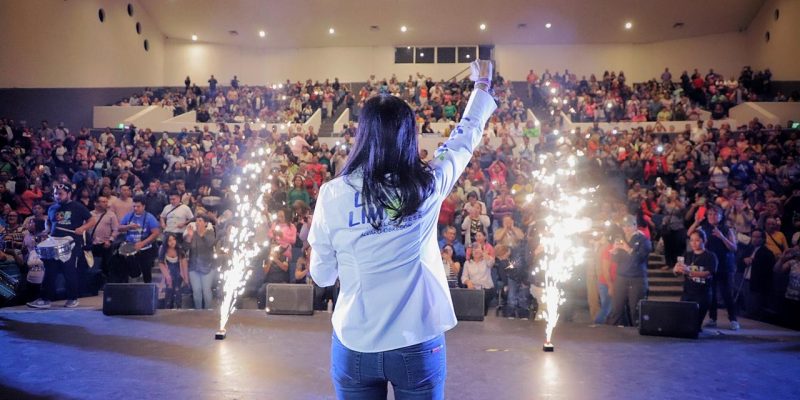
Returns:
point(452, 157)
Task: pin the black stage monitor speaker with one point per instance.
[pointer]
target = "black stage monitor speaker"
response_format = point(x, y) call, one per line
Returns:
point(669, 318)
point(8, 286)
point(130, 299)
point(290, 299)
point(468, 304)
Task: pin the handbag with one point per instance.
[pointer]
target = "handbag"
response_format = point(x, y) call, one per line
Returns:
point(87, 254)
point(35, 269)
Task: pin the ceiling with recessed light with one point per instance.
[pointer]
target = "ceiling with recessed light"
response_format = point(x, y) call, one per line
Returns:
point(306, 23)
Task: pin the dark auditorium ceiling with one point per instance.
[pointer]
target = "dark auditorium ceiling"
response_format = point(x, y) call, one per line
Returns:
point(305, 23)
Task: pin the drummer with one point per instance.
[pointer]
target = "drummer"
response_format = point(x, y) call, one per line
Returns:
point(65, 218)
point(142, 229)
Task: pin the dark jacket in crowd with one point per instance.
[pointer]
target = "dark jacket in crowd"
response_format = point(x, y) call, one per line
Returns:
point(726, 258)
point(634, 265)
point(761, 270)
point(201, 252)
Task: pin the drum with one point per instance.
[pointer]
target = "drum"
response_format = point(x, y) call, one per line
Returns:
point(211, 201)
point(36, 274)
point(56, 248)
point(35, 269)
point(127, 249)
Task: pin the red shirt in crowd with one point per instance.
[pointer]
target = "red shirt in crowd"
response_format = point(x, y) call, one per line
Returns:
point(316, 172)
point(29, 196)
point(447, 212)
point(605, 256)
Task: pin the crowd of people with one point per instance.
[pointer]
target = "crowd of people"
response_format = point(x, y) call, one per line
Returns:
point(431, 101)
point(442, 101)
point(236, 103)
point(163, 201)
point(612, 98)
point(732, 191)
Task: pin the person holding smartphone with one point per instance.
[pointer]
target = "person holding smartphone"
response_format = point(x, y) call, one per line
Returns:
point(631, 255)
point(720, 240)
point(698, 266)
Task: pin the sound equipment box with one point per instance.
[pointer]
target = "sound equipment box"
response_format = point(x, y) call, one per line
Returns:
point(669, 318)
point(290, 299)
point(9, 284)
point(468, 304)
point(130, 299)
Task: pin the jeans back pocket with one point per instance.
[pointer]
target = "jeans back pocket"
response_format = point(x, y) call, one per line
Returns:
point(427, 367)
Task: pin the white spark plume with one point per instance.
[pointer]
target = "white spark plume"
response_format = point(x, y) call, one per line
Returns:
point(564, 222)
point(241, 247)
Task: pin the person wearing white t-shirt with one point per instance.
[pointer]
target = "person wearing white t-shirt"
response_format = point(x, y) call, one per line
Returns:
point(176, 216)
point(516, 129)
point(374, 230)
point(699, 133)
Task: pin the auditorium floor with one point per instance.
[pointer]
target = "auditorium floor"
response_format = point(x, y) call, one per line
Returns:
point(82, 354)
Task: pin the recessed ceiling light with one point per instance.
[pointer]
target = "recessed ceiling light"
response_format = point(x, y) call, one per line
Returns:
point(331, 31)
point(262, 33)
point(483, 27)
point(194, 38)
point(628, 25)
point(403, 28)
point(548, 25)
point(408, 47)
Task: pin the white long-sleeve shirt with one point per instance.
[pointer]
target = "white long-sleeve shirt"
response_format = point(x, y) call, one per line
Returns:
point(394, 292)
point(479, 273)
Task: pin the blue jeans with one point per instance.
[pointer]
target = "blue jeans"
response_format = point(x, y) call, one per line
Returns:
point(605, 304)
point(416, 372)
point(518, 304)
point(70, 270)
point(201, 288)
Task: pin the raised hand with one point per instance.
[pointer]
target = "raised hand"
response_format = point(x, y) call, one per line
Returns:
point(480, 70)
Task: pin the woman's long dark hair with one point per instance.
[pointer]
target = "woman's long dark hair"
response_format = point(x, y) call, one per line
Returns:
point(386, 155)
point(162, 250)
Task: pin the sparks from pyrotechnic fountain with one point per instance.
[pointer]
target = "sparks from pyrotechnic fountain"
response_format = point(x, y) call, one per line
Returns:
point(560, 243)
point(241, 245)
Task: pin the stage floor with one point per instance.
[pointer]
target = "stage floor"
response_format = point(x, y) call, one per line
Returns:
point(82, 354)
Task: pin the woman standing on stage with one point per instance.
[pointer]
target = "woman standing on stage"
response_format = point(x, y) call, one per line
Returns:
point(698, 266)
point(374, 228)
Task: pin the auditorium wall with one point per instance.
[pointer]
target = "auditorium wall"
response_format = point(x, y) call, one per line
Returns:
point(58, 44)
point(259, 66)
point(725, 53)
point(63, 44)
point(781, 53)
